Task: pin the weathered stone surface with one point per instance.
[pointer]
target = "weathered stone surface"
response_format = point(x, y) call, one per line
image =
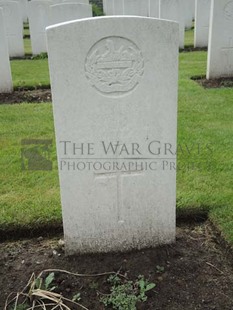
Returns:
point(202, 21)
point(14, 27)
point(220, 52)
point(173, 10)
point(154, 8)
point(115, 110)
point(38, 21)
point(64, 12)
point(5, 72)
point(136, 7)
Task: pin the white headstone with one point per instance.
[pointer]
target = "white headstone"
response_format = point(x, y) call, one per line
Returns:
point(118, 7)
point(72, 1)
point(136, 7)
point(193, 8)
point(38, 21)
point(64, 12)
point(220, 51)
point(129, 7)
point(108, 6)
point(5, 72)
point(115, 84)
point(171, 10)
point(187, 10)
point(113, 7)
point(202, 20)
point(104, 6)
point(154, 8)
point(24, 5)
point(23, 9)
point(14, 27)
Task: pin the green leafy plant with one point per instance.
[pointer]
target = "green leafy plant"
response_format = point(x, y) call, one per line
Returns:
point(94, 285)
point(76, 297)
point(144, 286)
point(21, 307)
point(44, 284)
point(38, 293)
point(40, 56)
point(96, 10)
point(159, 269)
point(125, 294)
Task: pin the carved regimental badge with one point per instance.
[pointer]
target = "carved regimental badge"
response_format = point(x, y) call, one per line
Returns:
point(114, 66)
point(228, 10)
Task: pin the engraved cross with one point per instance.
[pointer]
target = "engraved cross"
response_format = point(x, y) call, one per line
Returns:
point(119, 177)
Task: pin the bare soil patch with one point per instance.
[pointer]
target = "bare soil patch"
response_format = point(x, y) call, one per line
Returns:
point(19, 96)
point(188, 49)
point(214, 83)
point(198, 273)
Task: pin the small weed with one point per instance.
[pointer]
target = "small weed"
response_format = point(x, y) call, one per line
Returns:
point(159, 269)
point(44, 284)
point(21, 307)
point(94, 285)
point(37, 294)
point(76, 297)
point(40, 56)
point(144, 286)
point(125, 294)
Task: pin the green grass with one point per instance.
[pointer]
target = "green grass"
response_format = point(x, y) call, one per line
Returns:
point(189, 38)
point(27, 197)
point(204, 118)
point(29, 73)
point(26, 31)
point(27, 46)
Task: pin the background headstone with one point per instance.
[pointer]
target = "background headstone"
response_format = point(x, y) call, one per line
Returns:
point(5, 72)
point(104, 6)
point(116, 83)
point(64, 12)
point(109, 7)
point(136, 7)
point(193, 8)
point(202, 20)
point(38, 21)
point(154, 8)
point(118, 7)
point(23, 9)
point(187, 10)
point(220, 51)
point(70, 1)
point(14, 27)
point(24, 5)
point(171, 10)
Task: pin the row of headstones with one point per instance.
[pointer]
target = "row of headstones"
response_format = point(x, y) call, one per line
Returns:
point(220, 54)
point(182, 11)
point(118, 87)
point(41, 13)
point(212, 27)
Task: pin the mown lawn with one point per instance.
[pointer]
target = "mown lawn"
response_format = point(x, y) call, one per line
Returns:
point(30, 73)
point(205, 160)
point(27, 197)
point(189, 38)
